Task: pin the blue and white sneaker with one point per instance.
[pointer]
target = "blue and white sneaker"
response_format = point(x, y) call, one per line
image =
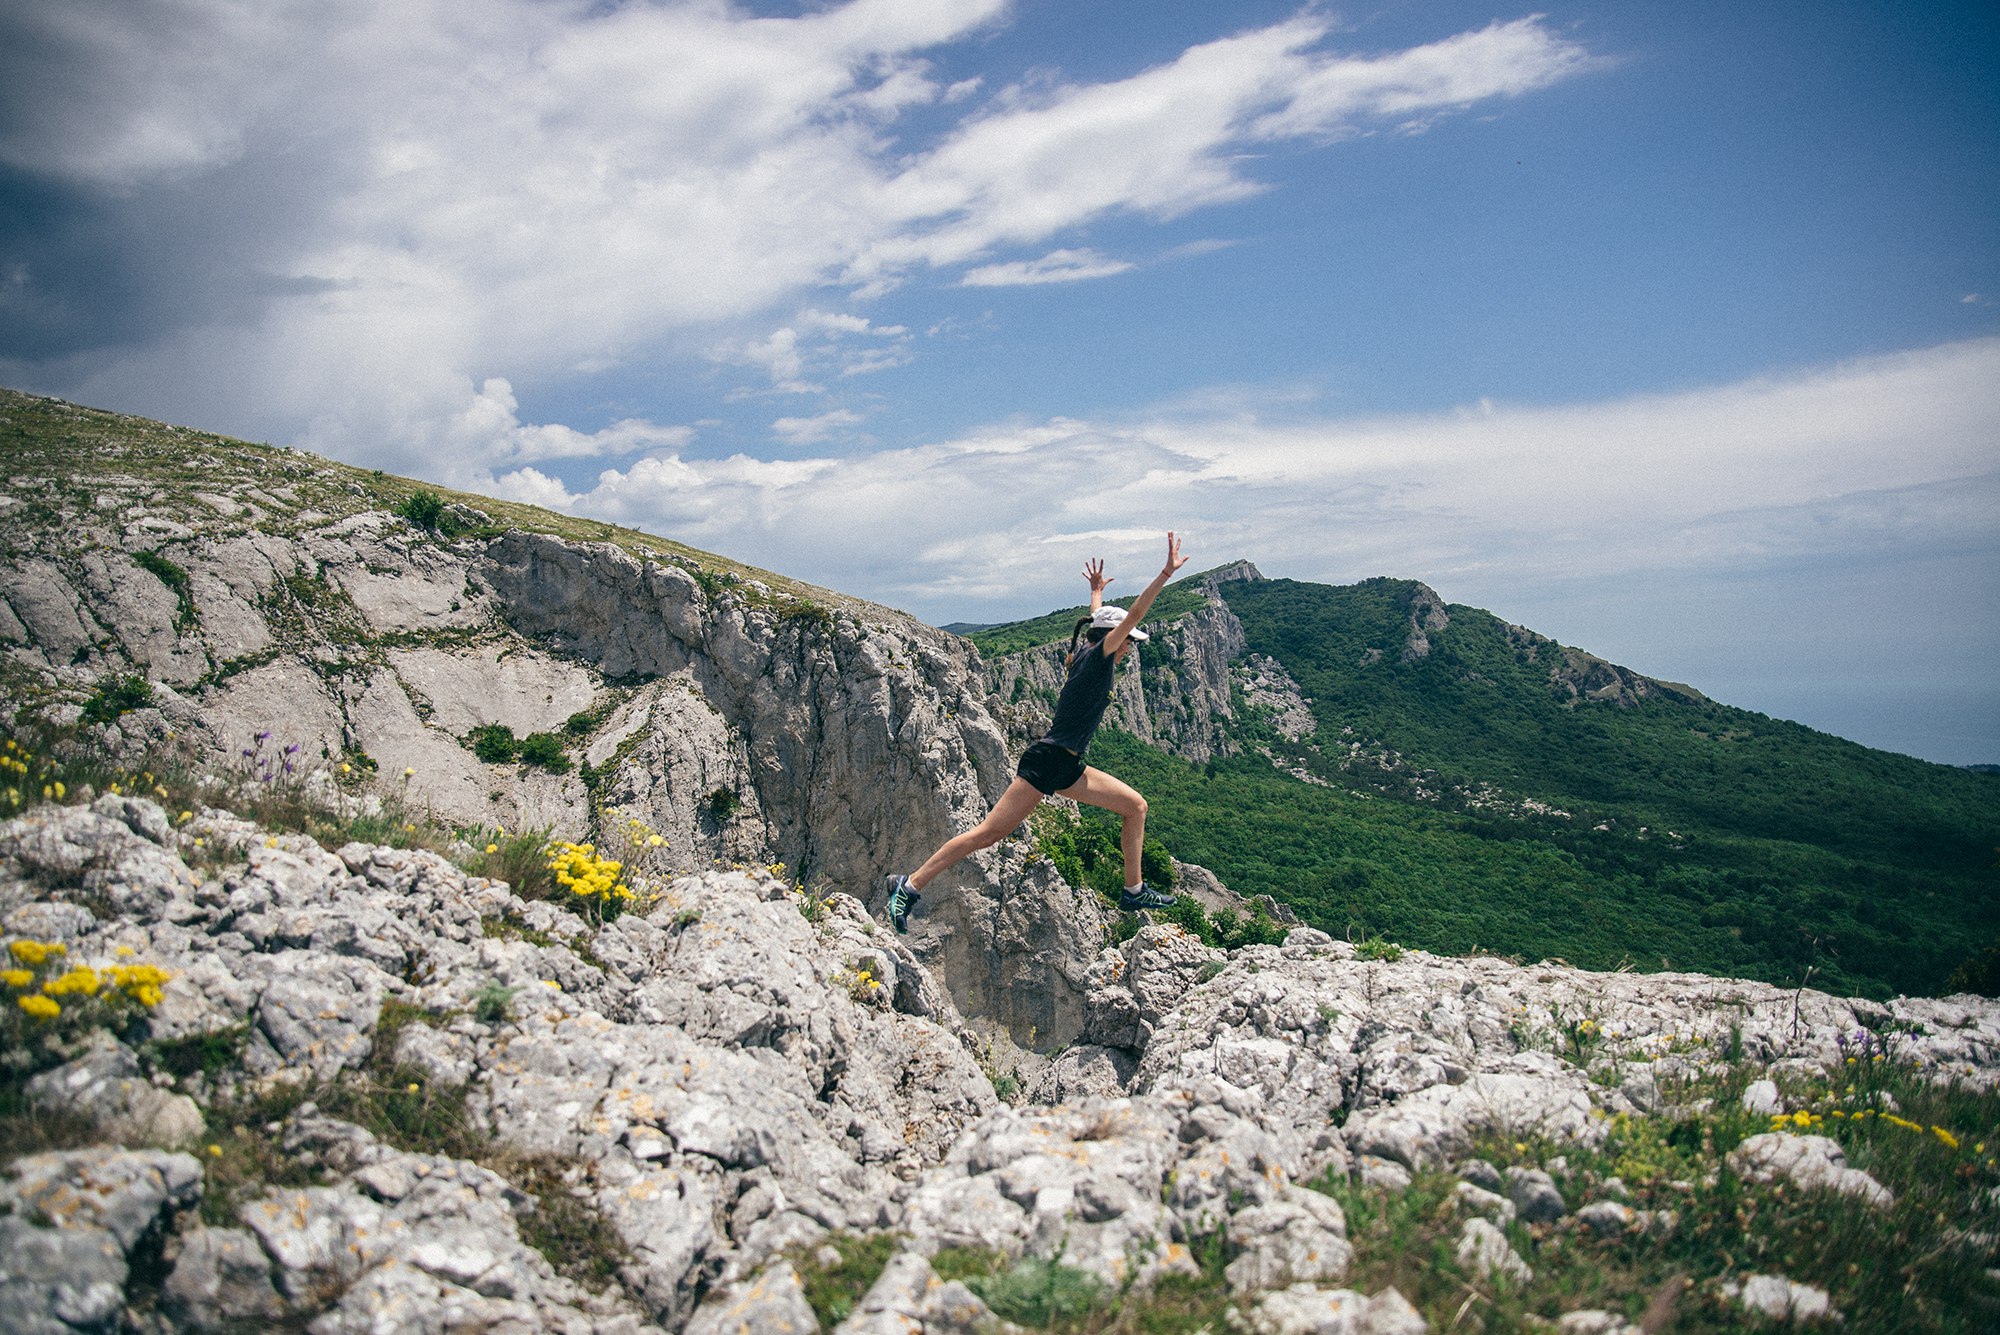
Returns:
point(901, 897)
point(1145, 897)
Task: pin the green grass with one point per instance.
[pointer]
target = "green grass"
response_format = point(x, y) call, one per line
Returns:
point(834, 1284)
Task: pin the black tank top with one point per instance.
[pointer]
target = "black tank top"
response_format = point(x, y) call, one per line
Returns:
point(1080, 707)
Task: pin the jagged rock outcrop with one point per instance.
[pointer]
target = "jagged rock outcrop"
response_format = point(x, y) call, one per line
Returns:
point(1576, 676)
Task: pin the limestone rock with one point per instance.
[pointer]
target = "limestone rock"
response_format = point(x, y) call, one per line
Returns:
point(1780, 1299)
point(1814, 1163)
point(773, 1303)
point(105, 1086)
point(1483, 1250)
point(1304, 1309)
point(1300, 1236)
point(73, 1223)
point(909, 1296)
point(1535, 1196)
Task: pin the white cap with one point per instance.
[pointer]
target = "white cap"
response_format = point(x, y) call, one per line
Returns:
point(1107, 617)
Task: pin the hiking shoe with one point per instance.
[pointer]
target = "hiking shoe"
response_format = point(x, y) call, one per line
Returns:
point(1145, 897)
point(901, 896)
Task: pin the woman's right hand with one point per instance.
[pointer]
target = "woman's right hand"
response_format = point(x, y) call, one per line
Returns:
point(1174, 558)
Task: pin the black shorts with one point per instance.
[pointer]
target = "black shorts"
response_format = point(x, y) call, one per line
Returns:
point(1049, 767)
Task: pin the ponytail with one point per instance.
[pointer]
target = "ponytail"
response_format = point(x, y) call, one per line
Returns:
point(1096, 636)
point(1070, 657)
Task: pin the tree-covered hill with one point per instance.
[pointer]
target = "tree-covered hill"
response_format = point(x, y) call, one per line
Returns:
point(1474, 784)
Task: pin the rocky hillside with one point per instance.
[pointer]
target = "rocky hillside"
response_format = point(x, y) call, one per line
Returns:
point(372, 1092)
point(503, 668)
point(429, 914)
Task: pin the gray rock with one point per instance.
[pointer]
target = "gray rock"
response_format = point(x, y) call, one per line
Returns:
point(1813, 1163)
point(1085, 1071)
point(773, 1303)
point(1591, 1321)
point(1305, 1309)
point(105, 1086)
point(1300, 1236)
point(58, 1280)
point(1780, 1299)
point(908, 1296)
point(1607, 1219)
point(1483, 1250)
point(1486, 1204)
point(221, 1279)
point(1481, 1174)
point(1535, 1196)
point(1761, 1098)
point(71, 1222)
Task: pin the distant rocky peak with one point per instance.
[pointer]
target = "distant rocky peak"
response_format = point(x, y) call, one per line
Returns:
point(1234, 572)
point(1427, 613)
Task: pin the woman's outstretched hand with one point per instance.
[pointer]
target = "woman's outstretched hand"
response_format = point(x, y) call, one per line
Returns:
point(1093, 570)
point(1174, 558)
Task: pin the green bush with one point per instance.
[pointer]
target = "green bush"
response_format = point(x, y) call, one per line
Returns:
point(546, 750)
point(423, 508)
point(494, 743)
point(116, 696)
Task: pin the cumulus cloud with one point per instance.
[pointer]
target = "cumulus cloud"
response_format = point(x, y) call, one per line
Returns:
point(355, 217)
point(1494, 501)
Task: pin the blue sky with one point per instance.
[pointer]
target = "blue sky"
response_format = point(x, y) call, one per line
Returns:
point(1671, 330)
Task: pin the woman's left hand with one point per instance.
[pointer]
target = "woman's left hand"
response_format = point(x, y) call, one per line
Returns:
point(1174, 558)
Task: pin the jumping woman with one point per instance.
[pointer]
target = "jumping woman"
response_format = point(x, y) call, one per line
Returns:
point(1054, 765)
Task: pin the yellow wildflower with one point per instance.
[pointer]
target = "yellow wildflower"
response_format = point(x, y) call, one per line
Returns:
point(83, 981)
point(492, 848)
point(272, 842)
point(1950, 1141)
point(61, 792)
point(32, 953)
point(39, 1006)
point(17, 978)
point(215, 1151)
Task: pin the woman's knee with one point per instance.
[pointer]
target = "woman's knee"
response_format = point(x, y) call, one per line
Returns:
point(1135, 809)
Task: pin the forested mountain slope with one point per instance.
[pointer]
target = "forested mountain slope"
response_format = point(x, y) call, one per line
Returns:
point(1451, 781)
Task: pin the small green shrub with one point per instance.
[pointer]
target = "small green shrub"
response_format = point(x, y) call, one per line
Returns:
point(1375, 948)
point(546, 750)
point(493, 1003)
point(423, 508)
point(722, 804)
point(494, 743)
point(116, 696)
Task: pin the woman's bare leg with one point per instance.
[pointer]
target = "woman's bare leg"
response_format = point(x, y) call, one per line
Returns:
point(1013, 807)
point(1101, 790)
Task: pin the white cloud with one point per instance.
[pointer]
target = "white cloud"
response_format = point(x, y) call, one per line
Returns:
point(437, 196)
point(812, 430)
point(1058, 266)
point(1864, 458)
